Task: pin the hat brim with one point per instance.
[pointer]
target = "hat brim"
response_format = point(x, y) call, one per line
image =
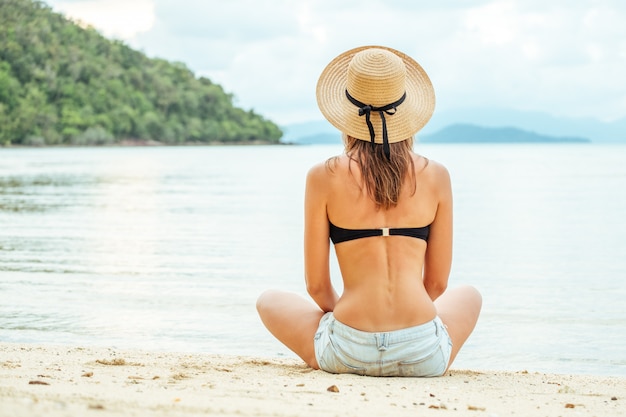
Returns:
point(409, 117)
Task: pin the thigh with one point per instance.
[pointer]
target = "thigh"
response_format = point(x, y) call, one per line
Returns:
point(459, 308)
point(293, 320)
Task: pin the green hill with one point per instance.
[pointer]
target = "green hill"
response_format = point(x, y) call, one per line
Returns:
point(63, 84)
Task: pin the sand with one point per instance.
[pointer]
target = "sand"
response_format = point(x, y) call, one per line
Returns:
point(94, 381)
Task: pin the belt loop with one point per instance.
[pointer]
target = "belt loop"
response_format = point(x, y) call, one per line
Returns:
point(381, 341)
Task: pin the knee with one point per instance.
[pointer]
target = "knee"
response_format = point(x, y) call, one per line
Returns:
point(261, 301)
point(470, 298)
point(266, 300)
point(473, 292)
point(475, 297)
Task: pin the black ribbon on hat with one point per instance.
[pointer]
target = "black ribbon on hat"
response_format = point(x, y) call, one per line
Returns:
point(366, 109)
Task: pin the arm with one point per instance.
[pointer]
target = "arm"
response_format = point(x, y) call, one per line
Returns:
point(438, 260)
point(316, 242)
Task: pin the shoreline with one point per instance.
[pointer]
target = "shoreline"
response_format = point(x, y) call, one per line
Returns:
point(58, 380)
point(148, 144)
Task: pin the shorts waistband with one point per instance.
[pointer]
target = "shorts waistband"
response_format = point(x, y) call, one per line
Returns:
point(429, 328)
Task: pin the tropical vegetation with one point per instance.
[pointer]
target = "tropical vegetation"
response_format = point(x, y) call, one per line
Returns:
point(63, 84)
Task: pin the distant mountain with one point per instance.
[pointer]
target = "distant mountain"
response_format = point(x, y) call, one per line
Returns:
point(466, 133)
point(456, 133)
point(320, 139)
point(317, 131)
point(542, 124)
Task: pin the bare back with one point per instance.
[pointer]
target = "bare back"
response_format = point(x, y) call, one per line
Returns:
point(388, 212)
point(389, 282)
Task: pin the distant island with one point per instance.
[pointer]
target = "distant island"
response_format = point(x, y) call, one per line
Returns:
point(467, 133)
point(62, 84)
point(544, 123)
point(456, 133)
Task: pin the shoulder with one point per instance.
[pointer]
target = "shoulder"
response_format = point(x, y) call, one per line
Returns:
point(325, 171)
point(434, 173)
point(319, 182)
point(318, 178)
point(430, 167)
point(317, 173)
point(439, 170)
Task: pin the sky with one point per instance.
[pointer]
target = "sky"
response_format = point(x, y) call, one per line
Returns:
point(566, 58)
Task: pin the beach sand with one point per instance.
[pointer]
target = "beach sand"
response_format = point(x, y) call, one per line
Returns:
point(94, 381)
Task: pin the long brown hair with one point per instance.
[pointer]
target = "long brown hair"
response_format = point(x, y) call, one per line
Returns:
point(383, 177)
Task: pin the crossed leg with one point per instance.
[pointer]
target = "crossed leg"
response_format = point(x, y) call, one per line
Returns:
point(459, 308)
point(293, 320)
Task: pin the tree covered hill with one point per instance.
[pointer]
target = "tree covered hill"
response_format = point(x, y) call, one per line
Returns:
point(64, 84)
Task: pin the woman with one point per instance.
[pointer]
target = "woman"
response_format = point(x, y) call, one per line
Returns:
point(388, 212)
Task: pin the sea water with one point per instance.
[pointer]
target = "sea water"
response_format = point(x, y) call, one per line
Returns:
point(167, 248)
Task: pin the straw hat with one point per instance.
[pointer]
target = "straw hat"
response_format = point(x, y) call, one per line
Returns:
point(366, 79)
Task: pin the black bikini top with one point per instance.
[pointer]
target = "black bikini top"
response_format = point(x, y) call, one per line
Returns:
point(339, 234)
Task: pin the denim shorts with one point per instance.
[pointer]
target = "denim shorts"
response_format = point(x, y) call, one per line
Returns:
point(422, 351)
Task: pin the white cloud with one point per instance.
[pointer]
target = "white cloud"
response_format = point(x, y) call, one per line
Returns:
point(120, 19)
point(560, 57)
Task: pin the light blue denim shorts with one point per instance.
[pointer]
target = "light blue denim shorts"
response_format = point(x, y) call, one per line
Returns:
point(422, 351)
